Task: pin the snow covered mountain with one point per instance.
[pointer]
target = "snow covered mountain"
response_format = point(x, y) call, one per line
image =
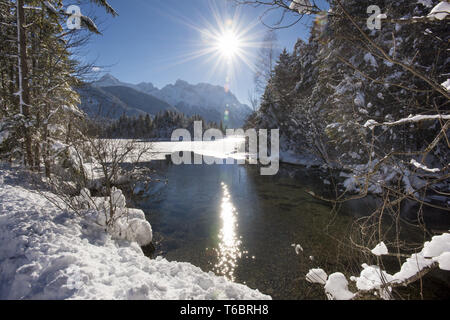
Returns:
point(111, 102)
point(99, 104)
point(213, 103)
point(109, 81)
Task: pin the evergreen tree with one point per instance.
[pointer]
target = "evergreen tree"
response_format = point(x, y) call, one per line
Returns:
point(322, 94)
point(37, 81)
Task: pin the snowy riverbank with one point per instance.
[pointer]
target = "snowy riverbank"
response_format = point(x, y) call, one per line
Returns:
point(49, 254)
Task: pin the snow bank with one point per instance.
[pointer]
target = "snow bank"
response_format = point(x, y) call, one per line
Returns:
point(126, 224)
point(49, 254)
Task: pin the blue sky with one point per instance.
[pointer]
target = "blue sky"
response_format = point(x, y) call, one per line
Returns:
point(151, 41)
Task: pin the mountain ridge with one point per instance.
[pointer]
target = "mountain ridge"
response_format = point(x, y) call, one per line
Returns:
point(212, 102)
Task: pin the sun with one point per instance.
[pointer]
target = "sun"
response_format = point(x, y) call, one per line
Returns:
point(229, 40)
point(228, 44)
point(225, 41)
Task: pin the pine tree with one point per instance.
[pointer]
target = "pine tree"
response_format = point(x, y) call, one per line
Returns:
point(37, 85)
point(321, 96)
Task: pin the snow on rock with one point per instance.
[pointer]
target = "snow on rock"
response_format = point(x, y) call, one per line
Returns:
point(50, 254)
point(317, 276)
point(127, 224)
point(336, 287)
point(356, 183)
point(380, 249)
point(136, 228)
point(441, 11)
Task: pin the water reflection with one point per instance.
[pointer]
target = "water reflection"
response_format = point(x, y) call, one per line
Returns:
point(229, 246)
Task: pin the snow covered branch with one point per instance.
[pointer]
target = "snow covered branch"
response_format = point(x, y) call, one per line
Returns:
point(371, 124)
point(372, 280)
point(88, 22)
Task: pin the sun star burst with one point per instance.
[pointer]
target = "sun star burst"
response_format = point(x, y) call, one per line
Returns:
point(228, 44)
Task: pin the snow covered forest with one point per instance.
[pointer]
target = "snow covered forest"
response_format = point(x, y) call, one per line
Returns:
point(371, 107)
point(373, 104)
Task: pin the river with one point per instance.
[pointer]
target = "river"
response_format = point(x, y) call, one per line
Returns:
point(232, 221)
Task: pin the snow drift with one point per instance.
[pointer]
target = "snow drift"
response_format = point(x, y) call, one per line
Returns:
point(50, 254)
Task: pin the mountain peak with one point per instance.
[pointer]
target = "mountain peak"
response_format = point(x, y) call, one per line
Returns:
point(109, 77)
point(146, 87)
point(210, 101)
point(181, 83)
point(107, 80)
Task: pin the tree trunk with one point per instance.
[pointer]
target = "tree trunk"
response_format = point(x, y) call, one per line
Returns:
point(24, 91)
point(45, 143)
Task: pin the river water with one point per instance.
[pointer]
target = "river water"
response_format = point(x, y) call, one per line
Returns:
point(232, 221)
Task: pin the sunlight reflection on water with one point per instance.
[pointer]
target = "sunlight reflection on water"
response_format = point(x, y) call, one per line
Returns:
point(229, 246)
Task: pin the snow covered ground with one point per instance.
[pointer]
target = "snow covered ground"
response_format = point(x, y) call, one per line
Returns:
point(222, 149)
point(230, 147)
point(49, 254)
